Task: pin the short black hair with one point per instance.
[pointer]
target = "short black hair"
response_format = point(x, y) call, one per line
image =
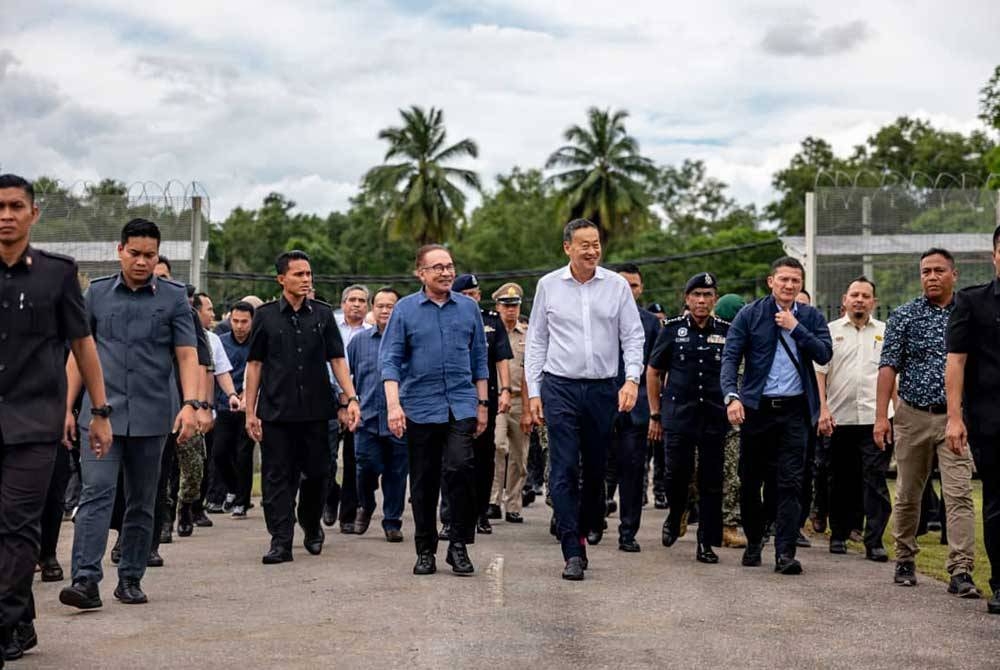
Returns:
point(387, 289)
point(15, 181)
point(808, 294)
point(630, 268)
point(140, 228)
point(788, 262)
point(282, 261)
point(163, 259)
point(938, 251)
point(575, 225)
point(198, 299)
point(242, 306)
point(864, 280)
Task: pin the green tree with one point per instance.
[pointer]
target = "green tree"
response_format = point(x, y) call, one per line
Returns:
point(693, 203)
point(799, 178)
point(426, 204)
point(989, 101)
point(606, 178)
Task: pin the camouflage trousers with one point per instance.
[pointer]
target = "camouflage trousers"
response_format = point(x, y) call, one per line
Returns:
point(191, 463)
point(543, 439)
point(731, 480)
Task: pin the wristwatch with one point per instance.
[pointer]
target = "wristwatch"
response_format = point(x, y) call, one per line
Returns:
point(205, 405)
point(483, 403)
point(634, 380)
point(195, 404)
point(104, 411)
point(729, 398)
point(508, 389)
point(655, 417)
point(354, 398)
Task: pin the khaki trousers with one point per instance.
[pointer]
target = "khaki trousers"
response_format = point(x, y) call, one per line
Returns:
point(919, 435)
point(510, 469)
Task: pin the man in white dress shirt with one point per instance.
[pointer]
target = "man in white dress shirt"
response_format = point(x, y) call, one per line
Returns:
point(581, 318)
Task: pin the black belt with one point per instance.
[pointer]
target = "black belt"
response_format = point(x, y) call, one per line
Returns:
point(931, 409)
point(782, 402)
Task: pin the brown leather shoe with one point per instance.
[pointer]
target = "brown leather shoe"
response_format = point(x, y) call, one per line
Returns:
point(733, 537)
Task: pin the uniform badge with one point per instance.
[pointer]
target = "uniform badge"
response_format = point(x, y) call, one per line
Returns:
point(840, 338)
point(682, 332)
point(878, 338)
point(716, 339)
point(489, 329)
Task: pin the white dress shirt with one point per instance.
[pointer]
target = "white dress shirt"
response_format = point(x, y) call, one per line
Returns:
point(577, 330)
point(852, 373)
point(219, 357)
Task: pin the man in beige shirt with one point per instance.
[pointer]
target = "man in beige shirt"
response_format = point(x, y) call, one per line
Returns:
point(510, 466)
point(847, 413)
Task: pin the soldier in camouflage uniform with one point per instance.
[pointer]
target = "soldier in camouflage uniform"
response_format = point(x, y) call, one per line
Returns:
point(726, 308)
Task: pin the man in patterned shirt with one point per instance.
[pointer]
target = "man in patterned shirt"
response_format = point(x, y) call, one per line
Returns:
point(914, 348)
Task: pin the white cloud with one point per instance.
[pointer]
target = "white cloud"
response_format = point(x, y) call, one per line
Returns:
point(252, 97)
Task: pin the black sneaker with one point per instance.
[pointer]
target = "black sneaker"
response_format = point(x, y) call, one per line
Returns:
point(215, 508)
point(962, 586)
point(906, 574)
point(239, 512)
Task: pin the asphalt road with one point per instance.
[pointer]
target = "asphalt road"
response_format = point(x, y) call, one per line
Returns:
point(358, 606)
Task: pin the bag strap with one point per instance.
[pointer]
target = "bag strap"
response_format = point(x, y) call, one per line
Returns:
point(788, 350)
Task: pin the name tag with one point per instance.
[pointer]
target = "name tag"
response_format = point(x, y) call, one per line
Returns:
point(716, 339)
point(489, 329)
point(682, 339)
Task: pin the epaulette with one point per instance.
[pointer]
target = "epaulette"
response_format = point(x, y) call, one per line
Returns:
point(104, 278)
point(728, 323)
point(269, 303)
point(172, 282)
point(53, 255)
point(321, 302)
point(675, 319)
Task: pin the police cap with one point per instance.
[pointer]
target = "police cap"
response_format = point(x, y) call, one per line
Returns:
point(465, 282)
point(509, 294)
point(701, 280)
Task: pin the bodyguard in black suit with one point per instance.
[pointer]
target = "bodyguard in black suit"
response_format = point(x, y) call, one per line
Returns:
point(779, 341)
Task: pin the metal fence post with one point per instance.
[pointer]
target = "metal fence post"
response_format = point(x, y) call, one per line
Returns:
point(195, 266)
point(866, 233)
point(811, 246)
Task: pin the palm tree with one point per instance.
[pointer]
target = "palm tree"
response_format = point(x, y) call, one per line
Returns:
point(425, 204)
point(605, 179)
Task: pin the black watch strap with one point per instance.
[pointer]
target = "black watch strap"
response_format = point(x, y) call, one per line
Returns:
point(196, 404)
point(104, 411)
point(205, 404)
point(655, 417)
point(483, 403)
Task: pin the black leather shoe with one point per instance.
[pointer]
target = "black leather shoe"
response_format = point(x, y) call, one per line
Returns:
point(458, 559)
point(394, 535)
point(612, 507)
point(483, 526)
point(347, 528)
point(514, 517)
point(445, 532)
point(166, 533)
point(906, 574)
point(573, 570)
point(128, 592)
point(362, 521)
point(277, 555)
point(329, 516)
point(877, 554)
point(201, 520)
point(527, 497)
point(787, 565)
point(116, 551)
point(628, 544)
point(838, 547)
point(185, 522)
point(51, 570)
point(802, 541)
point(493, 512)
point(659, 501)
point(594, 537)
point(154, 560)
point(667, 536)
point(425, 565)
point(313, 542)
point(751, 555)
point(705, 554)
point(83, 594)
point(25, 636)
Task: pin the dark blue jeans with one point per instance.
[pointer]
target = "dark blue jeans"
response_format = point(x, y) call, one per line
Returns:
point(579, 414)
point(385, 457)
point(140, 458)
point(773, 446)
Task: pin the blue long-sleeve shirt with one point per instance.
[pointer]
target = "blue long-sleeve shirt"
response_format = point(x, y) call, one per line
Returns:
point(362, 356)
point(436, 353)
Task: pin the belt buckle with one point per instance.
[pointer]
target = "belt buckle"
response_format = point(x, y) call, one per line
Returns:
point(776, 403)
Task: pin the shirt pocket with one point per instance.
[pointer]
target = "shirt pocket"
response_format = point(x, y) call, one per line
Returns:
point(160, 330)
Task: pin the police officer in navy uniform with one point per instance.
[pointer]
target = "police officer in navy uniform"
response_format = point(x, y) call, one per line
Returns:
point(498, 355)
point(689, 351)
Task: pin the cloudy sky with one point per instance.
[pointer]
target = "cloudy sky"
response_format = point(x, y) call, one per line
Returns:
point(250, 97)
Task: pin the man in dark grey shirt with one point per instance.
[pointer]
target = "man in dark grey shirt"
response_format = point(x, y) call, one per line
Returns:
point(141, 322)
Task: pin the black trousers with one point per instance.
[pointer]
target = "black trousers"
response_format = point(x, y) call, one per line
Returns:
point(986, 454)
point(232, 452)
point(52, 515)
point(294, 457)
point(441, 452)
point(629, 446)
point(25, 477)
point(484, 450)
point(680, 461)
point(773, 444)
point(536, 464)
point(165, 508)
point(858, 469)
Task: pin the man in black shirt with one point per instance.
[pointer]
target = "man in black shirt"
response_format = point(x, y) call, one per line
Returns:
point(972, 384)
point(292, 340)
point(41, 309)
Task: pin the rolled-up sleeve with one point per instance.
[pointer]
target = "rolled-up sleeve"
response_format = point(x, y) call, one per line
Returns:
point(537, 343)
point(390, 353)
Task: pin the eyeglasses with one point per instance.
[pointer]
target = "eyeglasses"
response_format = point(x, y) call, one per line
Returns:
point(440, 268)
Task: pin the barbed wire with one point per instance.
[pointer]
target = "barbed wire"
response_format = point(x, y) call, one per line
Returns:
point(174, 194)
point(840, 187)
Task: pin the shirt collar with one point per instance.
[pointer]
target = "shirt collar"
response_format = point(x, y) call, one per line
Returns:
point(26, 259)
point(151, 284)
point(927, 302)
point(374, 332)
point(599, 273)
point(425, 298)
point(285, 306)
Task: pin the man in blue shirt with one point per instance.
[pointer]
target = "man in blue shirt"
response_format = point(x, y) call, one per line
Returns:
point(433, 361)
point(777, 405)
point(377, 451)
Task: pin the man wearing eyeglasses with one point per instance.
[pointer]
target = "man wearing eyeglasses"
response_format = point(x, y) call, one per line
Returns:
point(435, 373)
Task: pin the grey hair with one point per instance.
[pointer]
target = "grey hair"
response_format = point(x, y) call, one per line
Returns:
point(354, 287)
point(575, 225)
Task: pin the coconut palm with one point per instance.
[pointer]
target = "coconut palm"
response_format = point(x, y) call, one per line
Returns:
point(425, 201)
point(605, 182)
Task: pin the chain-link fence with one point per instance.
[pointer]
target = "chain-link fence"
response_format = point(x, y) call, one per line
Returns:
point(881, 232)
point(85, 222)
